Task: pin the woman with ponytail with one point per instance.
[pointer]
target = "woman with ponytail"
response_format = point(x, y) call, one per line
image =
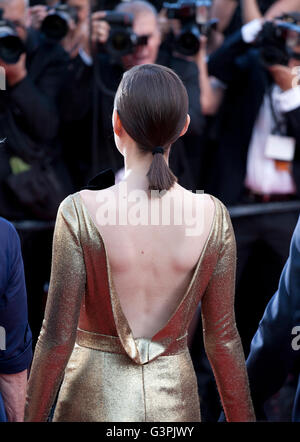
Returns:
point(131, 263)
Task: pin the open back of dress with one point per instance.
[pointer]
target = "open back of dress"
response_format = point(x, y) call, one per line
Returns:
point(151, 266)
point(86, 341)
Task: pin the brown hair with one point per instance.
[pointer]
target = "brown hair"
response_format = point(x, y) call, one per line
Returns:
point(152, 104)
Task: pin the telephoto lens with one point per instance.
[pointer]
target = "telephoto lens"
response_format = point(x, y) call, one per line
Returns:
point(271, 43)
point(11, 46)
point(57, 23)
point(122, 40)
point(187, 42)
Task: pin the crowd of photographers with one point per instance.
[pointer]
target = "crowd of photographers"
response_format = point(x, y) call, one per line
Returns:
point(238, 60)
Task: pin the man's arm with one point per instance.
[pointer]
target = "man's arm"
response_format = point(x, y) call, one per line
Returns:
point(16, 357)
point(250, 10)
point(281, 7)
point(13, 391)
point(222, 63)
point(221, 68)
point(211, 90)
point(271, 353)
point(223, 10)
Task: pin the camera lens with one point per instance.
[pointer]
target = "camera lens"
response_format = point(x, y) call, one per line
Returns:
point(188, 43)
point(120, 41)
point(11, 48)
point(55, 27)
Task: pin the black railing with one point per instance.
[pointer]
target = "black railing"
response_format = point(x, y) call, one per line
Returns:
point(235, 212)
point(33, 225)
point(264, 208)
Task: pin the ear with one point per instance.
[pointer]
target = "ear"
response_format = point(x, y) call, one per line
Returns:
point(186, 126)
point(117, 124)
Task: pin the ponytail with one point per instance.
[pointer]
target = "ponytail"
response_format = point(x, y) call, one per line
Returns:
point(159, 175)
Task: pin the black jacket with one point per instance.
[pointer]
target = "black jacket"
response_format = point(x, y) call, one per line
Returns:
point(29, 118)
point(238, 66)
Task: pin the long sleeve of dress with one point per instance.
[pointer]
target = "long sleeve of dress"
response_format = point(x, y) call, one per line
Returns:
point(221, 338)
point(58, 333)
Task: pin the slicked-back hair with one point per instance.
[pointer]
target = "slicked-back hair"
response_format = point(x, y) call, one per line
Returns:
point(152, 104)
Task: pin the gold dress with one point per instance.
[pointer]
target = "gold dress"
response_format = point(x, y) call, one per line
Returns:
point(87, 345)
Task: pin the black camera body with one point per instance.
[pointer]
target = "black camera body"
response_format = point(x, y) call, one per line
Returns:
point(272, 41)
point(188, 41)
point(57, 23)
point(11, 46)
point(122, 40)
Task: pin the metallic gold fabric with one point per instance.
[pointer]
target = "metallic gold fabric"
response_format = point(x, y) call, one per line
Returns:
point(107, 374)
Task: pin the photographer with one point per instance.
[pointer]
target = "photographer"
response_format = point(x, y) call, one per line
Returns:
point(231, 14)
point(77, 24)
point(29, 117)
point(260, 112)
point(107, 71)
point(33, 178)
point(224, 10)
point(212, 91)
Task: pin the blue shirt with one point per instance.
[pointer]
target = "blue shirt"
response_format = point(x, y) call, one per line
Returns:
point(15, 333)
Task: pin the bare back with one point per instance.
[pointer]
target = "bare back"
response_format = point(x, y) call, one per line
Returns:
point(152, 265)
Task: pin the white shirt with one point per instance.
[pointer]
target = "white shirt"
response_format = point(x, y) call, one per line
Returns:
point(262, 175)
point(86, 58)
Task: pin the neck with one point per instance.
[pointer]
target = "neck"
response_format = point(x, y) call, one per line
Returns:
point(137, 165)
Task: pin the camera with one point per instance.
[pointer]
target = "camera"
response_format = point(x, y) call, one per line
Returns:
point(187, 42)
point(272, 41)
point(57, 23)
point(122, 40)
point(11, 46)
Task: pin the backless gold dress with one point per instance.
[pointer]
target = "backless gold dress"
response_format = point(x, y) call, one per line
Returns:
point(86, 347)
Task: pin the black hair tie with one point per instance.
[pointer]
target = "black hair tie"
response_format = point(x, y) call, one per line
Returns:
point(158, 149)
